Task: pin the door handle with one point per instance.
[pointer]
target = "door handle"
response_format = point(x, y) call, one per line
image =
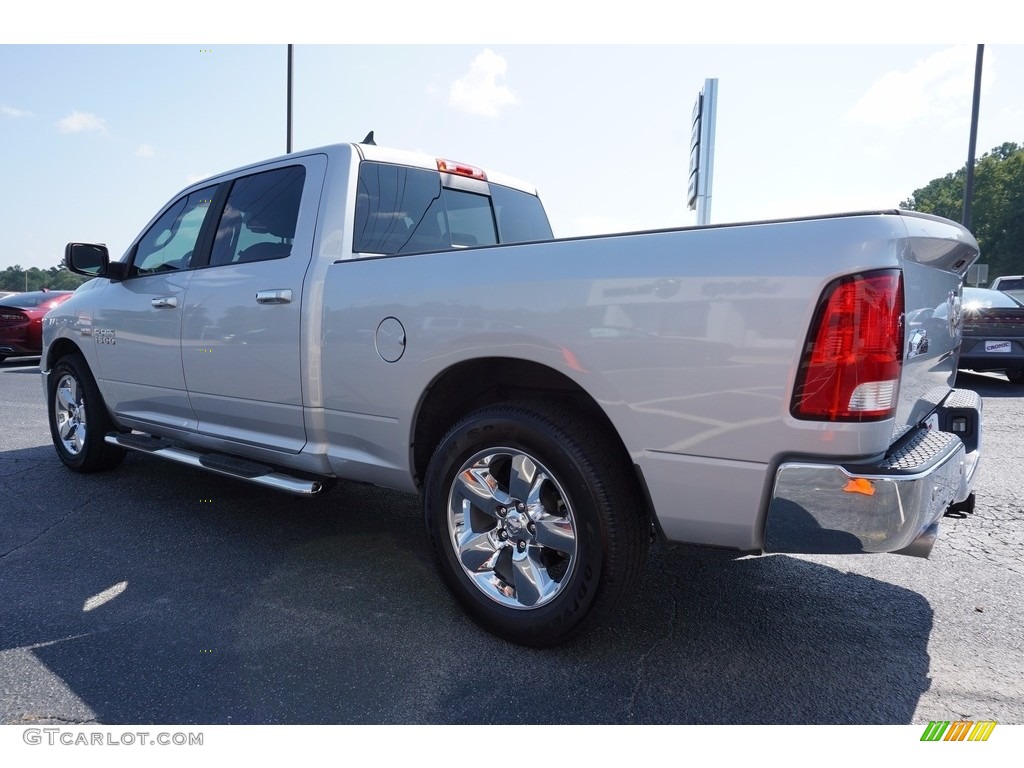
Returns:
point(165, 302)
point(276, 296)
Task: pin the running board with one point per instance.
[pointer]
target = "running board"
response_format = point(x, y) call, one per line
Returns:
point(218, 463)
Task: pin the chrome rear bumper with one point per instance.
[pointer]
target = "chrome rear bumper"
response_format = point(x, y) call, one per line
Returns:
point(892, 506)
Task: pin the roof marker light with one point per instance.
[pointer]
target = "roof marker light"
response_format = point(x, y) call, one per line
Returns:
point(460, 169)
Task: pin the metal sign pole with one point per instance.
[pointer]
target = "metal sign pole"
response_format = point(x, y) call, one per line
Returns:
point(702, 151)
point(706, 164)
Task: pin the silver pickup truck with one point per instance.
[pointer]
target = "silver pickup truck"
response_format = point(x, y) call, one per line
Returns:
point(359, 313)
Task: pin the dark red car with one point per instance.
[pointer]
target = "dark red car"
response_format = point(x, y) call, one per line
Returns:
point(21, 321)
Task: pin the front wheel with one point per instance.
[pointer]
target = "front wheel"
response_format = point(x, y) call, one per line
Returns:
point(536, 521)
point(78, 418)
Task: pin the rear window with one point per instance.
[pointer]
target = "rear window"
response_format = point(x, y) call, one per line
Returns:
point(407, 210)
point(1010, 283)
point(982, 298)
point(34, 299)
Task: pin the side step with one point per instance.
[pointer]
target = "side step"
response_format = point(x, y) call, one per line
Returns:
point(219, 463)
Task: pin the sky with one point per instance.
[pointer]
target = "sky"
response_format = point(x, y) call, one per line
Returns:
point(95, 138)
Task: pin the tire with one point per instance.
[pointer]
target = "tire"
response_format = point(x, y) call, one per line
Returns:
point(79, 419)
point(1015, 377)
point(536, 522)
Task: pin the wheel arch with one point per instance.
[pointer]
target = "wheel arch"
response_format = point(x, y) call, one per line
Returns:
point(61, 348)
point(497, 380)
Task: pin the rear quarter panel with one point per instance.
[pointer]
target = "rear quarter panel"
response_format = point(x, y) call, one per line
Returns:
point(688, 339)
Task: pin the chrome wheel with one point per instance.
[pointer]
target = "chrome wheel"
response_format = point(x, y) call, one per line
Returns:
point(69, 412)
point(512, 527)
point(78, 418)
point(536, 523)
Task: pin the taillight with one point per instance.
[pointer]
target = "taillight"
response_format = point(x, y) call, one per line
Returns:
point(851, 365)
point(12, 316)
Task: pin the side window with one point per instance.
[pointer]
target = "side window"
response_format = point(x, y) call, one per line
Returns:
point(169, 243)
point(259, 217)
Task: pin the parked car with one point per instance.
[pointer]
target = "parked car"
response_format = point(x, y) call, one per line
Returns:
point(1011, 284)
point(21, 321)
point(993, 336)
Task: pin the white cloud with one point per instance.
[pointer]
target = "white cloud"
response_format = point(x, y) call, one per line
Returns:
point(478, 91)
point(192, 178)
point(14, 111)
point(82, 122)
point(145, 150)
point(937, 87)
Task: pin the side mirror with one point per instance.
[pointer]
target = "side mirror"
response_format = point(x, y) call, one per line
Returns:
point(91, 261)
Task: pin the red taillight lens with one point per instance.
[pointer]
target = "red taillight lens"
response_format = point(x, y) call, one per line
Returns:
point(850, 370)
point(12, 316)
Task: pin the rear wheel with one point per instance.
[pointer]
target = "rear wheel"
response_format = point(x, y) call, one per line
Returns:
point(536, 521)
point(78, 418)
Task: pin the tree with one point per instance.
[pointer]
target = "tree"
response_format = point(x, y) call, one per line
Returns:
point(56, 278)
point(997, 212)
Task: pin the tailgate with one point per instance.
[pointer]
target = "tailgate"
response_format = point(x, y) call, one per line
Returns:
point(936, 254)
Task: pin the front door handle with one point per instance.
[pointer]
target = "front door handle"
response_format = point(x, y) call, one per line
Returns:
point(276, 296)
point(165, 302)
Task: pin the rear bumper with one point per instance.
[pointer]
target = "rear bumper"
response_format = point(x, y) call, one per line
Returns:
point(975, 357)
point(892, 506)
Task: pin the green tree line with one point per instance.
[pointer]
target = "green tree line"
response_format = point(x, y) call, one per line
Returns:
point(997, 210)
point(56, 278)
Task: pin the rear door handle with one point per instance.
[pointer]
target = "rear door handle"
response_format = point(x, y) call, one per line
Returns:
point(165, 302)
point(276, 296)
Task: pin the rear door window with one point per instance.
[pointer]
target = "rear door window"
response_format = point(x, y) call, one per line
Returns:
point(258, 223)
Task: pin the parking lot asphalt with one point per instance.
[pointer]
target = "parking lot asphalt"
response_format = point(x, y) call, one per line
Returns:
point(161, 594)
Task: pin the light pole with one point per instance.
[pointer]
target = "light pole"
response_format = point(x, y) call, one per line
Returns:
point(288, 143)
point(969, 185)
